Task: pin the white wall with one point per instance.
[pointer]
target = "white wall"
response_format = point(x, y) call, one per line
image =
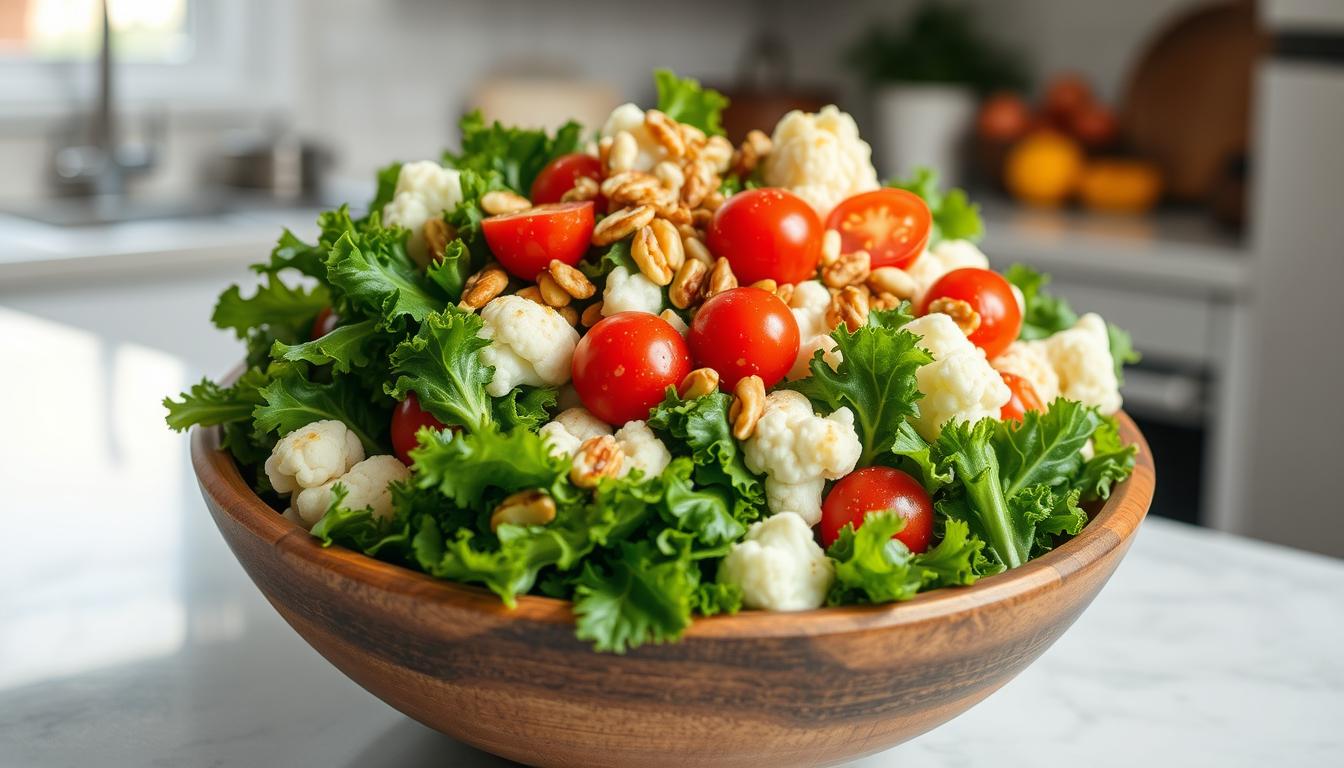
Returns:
point(1099, 39)
point(388, 79)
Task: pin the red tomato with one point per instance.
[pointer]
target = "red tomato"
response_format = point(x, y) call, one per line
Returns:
point(767, 233)
point(325, 322)
point(526, 242)
point(1095, 125)
point(1003, 119)
point(559, 175)
point(892, 225)
point(407, 419)
point(989, 295)
point(1024, 398)
point(745, 332)
point(875, 489)
point(625, 363)
point(1065, 95)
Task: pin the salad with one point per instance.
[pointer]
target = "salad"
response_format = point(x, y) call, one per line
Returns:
point(663, 376)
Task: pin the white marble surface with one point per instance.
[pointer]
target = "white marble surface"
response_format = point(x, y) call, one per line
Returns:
point(32, 251)
point(130, 637)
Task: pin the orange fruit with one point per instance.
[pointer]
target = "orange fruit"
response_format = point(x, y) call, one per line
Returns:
point(1120, 186)
point(1043, 168)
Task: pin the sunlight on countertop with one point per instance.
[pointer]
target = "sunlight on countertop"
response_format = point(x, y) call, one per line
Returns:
point(102, 513)
point(87, 459)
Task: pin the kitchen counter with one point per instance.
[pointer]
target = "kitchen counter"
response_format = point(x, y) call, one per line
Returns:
point(33, 251)
point(130, 636)
point(1183, 252)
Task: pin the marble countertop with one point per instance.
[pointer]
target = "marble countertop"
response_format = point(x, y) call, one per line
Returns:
point(33, 251)
point(129, 636)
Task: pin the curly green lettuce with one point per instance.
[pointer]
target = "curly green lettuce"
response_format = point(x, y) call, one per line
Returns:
point(875, 380)
point(441, 366)
point(685, 100)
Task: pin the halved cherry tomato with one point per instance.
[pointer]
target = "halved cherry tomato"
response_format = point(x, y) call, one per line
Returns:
point(559, 175)
point(892, 225)
point(325, 322)
point(625, 363)
point(744, 332)
point(991, 297)
point(767, 233)
point(1023, 399)
point(876, 489)
point(407, 419)
point(525, 242)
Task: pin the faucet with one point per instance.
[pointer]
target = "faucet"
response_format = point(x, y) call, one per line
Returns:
point(98, 165)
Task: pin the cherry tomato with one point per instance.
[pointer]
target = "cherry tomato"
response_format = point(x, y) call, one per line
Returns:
point(325, 322)
point(559, 175)
point(767, 233)
point(745, 332)
point(625, 363)
point(875, 489)
point(1024, 398)
point(1095, 125)
point(1065, 95)
point(892, 225)
point(525, 242)
point(989, 295)
point(1003, 119)
point(407, 419)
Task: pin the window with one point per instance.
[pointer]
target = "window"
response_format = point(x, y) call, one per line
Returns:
point(65, 30)
point(210, 54)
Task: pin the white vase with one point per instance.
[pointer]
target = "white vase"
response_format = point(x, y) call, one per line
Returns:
point(923, 125)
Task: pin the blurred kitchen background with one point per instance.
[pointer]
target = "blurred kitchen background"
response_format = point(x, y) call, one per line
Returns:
point(1177, 165)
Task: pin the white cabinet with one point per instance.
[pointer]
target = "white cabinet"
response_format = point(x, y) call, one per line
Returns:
point(1293, 423)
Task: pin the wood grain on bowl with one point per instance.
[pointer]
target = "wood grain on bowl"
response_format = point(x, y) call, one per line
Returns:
point(756, 688)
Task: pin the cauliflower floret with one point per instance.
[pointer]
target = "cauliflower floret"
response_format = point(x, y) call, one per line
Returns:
point(582, 424)
point(940, 335)
point(941, 259)
point(312, 455)
point(530, 344)
point(959, 384)
point(570, 428)
point(1081, 356)
point(820, 158)
point(808, 304)
point(798, 450)
point(779, 566)
point(629, 117)
point(802, 365)
point(367, 485)
point(424, 190)
point(1030, 360)
point(643, 450)
point(630, 292)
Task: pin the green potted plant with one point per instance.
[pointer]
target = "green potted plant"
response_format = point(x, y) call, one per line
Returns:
point(926, 75)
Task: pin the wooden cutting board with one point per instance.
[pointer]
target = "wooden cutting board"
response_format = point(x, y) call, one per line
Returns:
point(1188, 102)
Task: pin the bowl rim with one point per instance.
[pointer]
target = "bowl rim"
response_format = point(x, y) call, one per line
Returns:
point(1112, 526)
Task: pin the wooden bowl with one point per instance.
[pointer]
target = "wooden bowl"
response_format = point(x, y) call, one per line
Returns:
point(747, 690)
